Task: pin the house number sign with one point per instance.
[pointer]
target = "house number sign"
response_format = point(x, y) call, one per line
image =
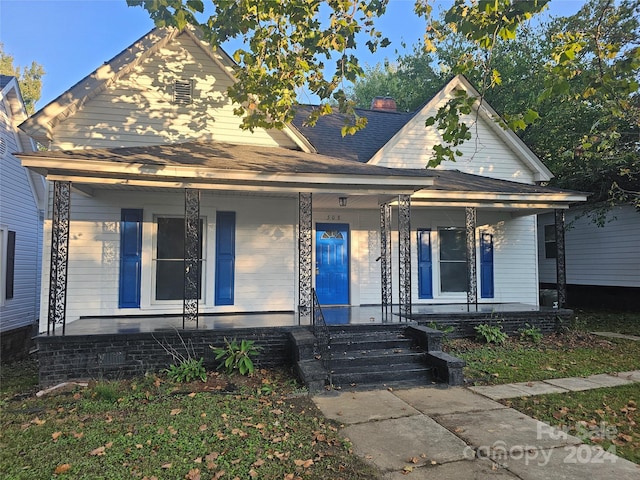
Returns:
point(333, 217)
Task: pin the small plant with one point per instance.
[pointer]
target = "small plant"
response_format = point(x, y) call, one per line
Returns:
point(105, 391)
point(236, 356)
point(490, 333)
point(445, 329)
point(187, 370)
point(531, 334)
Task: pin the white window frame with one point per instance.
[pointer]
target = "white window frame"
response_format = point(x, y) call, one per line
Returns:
point(154, 257)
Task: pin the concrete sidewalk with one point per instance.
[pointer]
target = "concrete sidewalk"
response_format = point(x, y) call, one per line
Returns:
point(457, 433)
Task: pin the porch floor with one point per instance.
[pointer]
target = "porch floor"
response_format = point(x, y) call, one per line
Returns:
point(341, 315)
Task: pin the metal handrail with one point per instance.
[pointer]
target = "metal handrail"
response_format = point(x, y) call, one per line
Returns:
point(323, 338)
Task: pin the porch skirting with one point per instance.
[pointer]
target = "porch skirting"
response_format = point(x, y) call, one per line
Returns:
point(118, 356)
point(547, 320)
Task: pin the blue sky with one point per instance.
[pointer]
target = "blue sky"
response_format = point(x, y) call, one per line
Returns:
point(71, 38)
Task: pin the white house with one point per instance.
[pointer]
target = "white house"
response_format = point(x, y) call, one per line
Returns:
point(161, 205)
point(22, 195)
point(602, 262)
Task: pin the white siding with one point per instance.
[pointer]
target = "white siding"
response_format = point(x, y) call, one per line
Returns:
point(607, 256)
point(514, 250)
point(18, 213)
point(138, 109)
point(484, 154)
point(265, 252)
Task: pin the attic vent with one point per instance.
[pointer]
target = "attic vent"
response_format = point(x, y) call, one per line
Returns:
point(3, 147)
point(182, 92)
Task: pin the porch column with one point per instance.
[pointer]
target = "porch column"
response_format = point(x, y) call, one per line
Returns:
point(59, 256)
point(191, 256)
point(472, 276)
point(385, 260)
point(561, 272)
point(404, 254)
point(305, 230)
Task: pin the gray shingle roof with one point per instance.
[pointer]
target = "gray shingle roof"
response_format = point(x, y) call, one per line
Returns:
point(5, 79)
point(327, 138)
point(222, 156)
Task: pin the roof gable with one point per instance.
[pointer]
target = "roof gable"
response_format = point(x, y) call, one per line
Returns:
point(129, 100)
point(12, 112)
point(492, 151)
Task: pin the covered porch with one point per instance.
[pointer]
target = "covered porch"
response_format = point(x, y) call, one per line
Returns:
point(321, 188)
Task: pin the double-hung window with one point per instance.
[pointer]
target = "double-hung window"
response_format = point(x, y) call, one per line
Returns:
point(169, 261)
point(453, 260)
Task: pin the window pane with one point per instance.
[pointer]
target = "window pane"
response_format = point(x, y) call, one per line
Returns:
point(549, 233)
point(170, 238)
point(453, 277)
point(453, 245)
point(170, 280)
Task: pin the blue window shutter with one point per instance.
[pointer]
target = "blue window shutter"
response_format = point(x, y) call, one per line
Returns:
point(486, 265)
point(130, 257)
point(225, 257)
point(425, 282)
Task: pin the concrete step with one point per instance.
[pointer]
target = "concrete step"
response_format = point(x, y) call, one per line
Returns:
point(376, 357)
point(365, 375)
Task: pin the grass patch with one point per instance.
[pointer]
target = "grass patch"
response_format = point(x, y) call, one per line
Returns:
point(605, 416)
point(152, 428)
point(604, 321)
point(573, 354)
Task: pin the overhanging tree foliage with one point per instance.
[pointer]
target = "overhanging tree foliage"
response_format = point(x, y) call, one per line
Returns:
point(591, 66)
point(29, 79)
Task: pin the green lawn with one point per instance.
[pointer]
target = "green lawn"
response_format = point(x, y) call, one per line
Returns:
point(605, 416)
point(573, 354)
point(602, 321)
point(149, 428)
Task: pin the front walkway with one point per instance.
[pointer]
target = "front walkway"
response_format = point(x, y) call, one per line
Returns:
point(453, 433)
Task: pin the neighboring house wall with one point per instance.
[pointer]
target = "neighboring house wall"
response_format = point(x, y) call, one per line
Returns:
point(139, 108)
point(607, 256)
point(20, 231)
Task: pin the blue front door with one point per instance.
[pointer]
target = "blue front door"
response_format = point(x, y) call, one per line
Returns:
point(332, 263)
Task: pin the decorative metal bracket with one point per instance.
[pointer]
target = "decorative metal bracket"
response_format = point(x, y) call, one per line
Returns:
point(192, 244)
point(561, 269)
point(404, 254)
point(385, 261)
point(59, 256)
point(472, 275)
point(305, 231)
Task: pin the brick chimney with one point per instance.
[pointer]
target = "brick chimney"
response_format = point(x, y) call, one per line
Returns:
point(385, 104)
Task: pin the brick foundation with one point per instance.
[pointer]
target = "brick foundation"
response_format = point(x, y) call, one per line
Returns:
point(548, 321)
point(117, 356)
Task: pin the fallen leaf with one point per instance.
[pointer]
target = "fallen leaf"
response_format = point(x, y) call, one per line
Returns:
point(303, 463)
point(258, 463)
point(64, 468)
point(97, 452)
point(166, 466)
point(56, 435)
point(176, 411)
point(253, 473)
point(414, 460)
point(194, 474)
